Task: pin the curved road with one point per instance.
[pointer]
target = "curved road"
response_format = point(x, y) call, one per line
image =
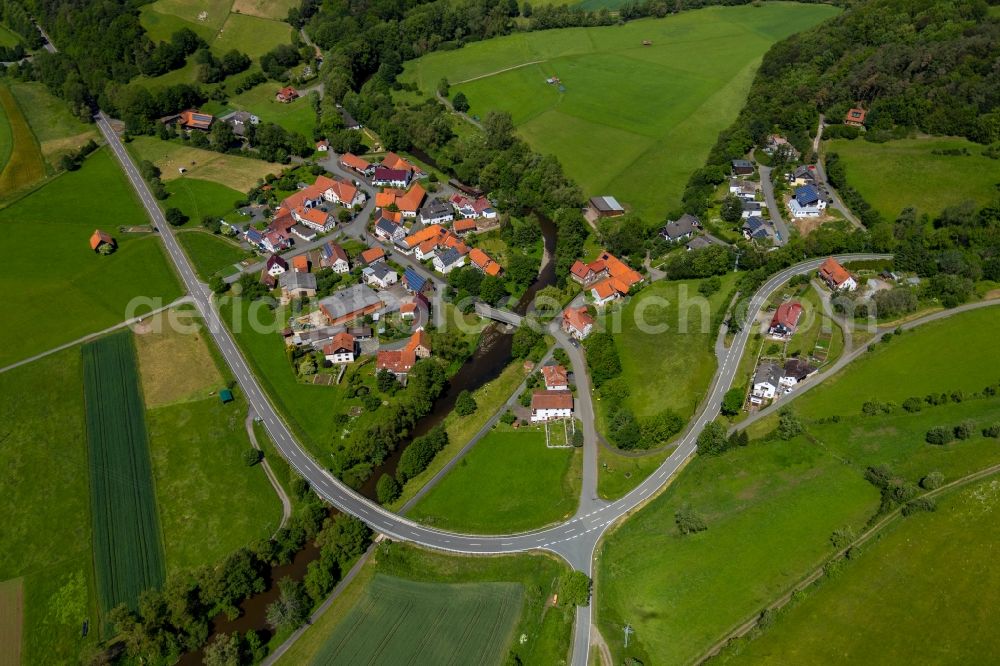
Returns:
point(574, 540)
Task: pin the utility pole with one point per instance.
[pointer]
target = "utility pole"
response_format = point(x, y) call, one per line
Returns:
point(628, 632)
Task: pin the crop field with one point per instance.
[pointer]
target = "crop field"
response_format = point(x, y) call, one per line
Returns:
point(509, 482)
point(648, 115)
point(210, 254)
point(906, 172)
point(237, 173)
point(297, 116)
point(431, 624)
point(899, 603)
point(57, 130)
point(671, 368)
point(176, 366)
point(57, 287)
point(128, 556)
point(11, 620)
point(922, 361)
point(21, 161)
point(199, 198)
point(46, 538)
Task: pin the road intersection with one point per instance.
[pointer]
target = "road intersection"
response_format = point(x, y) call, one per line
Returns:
point(574, 540)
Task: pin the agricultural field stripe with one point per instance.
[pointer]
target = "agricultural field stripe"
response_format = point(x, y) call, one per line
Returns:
point(128, 553)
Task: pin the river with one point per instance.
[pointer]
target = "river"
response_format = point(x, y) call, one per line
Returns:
point(492, 355)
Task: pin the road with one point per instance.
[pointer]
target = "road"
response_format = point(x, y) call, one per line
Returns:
point(773, 209)
point(574, 540)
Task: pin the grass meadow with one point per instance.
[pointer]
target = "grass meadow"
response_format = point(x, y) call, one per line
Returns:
point(898, 602)
point(896, 174)
point(297, 116)
point(617, 474)
point(128, 554)
point(509, 482)
point(8, 37)
point(648, 115)
point(58, 288)
point(546, 629)
point(44, 494)
point(671, 369)
point(209, 253)
point(199, 198)
point(770, 508)
point(57, 130)
point(21, 161)
point(236, 173)
point(432, 623)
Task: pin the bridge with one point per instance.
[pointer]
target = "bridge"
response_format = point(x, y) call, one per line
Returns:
point(497, 314)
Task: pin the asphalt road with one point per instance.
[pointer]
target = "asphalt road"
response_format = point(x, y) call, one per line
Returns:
point(575, 540)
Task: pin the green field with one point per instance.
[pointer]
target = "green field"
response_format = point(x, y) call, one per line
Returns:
point(509, 482)
point(210, 254)
point(44, 494)
point(617, 474)
point(21, 161)
point(771, 507)
point(251, 35)
point(8, 37)
point(671, 369)
point(920, 362)
point(164, 17)
point(899, 603)
point(432, 623)
point(896, 174)
point(128, 555)
point(541, 634)
point(57, 130)
point(297, 116)
point(236, 173)
point(201, 198)
point(57, 287)
point(648, 115)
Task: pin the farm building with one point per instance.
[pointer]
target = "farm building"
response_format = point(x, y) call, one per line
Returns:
point(605, 207)
point(102, 242)
point(286, 95)
point(550, 405)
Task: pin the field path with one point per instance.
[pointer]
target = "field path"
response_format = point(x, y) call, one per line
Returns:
point(499, 71)
point(286, 503)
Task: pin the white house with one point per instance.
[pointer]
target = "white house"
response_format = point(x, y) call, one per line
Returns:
point(556, 377)
point(577, 322)
point(807, 202)
point(551, 405)
point(333, 256)
point(380, 275)
point(766, 382)
point(276, 265)
point(340, 349)
point(448, 260)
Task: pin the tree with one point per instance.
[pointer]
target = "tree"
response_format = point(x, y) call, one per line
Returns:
point(386, 381)
point(251, 457)
point(222, 136)
point(932, 481)
point(175, 217)
point(789, 424)
point(443, 87)
point(291, 609)
point(387, 489)
point(712, 440)
point(732, 402)
point(321, 575)
point(492, 289)
point(526, 10)
point(524, 340)
point(574, 589)
point(688, 521)
point(224, 650)
point(731, 209)
point(577, 438)
point(709, 286)
point(465, 404)
point(460, 103)
point(939, 435)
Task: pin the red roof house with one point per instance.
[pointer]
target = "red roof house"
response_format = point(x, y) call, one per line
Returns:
point(785, 319)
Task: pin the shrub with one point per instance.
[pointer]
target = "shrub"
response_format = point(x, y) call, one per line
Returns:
point(932, 481)
point(789, 424)
point(371, 402)
point(965, 430)
point(688, 521)
point(465, 404)
point(387, 489)
point(992, 431)
point(508, 417)
point(939, 435)
point(913, 404)
point(712, 440)
point(918, 505)
point(843, 537)
point(577, 439)
point(574, 589)
point(251, 457)
point(879, 476)
point(732, 402)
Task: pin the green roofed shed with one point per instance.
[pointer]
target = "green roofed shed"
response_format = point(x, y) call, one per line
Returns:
point(225, 395)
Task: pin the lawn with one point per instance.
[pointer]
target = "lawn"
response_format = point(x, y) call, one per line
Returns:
point(672, 368)
point(932, 358)
point(210, 254)
point(905, 172)
point(57, 130)
point(298, 116)
point(542, 631)
point(646, 137)
point(8, 37)
point(57, 287)
point(899, 603)
point(461, 429)
point(432, 623)
point(128, 554)
point(164, 17)
point(199, 198)
point(813, 323)
point(509, 482)
point(235, 172)
point(618, 474)
point(45, 497)
point(20, 157)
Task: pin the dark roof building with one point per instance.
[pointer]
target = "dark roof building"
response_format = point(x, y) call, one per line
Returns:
point(683, 227)
point(606, 206)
